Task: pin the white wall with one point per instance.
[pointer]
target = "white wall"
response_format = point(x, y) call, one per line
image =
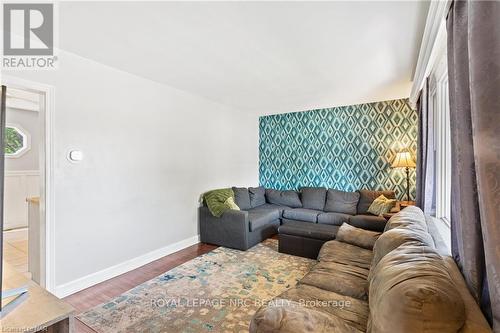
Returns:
point(149, 152)
point(19, 185)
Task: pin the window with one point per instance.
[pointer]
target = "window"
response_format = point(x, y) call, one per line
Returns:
point(440, 108)
point(17, 141)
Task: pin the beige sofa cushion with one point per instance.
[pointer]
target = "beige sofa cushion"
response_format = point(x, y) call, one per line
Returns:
point(393, 238)
point(286, 316)
point(343, 279)
point(474, 318)
point(346, 254)
point(411, 291)
point(410, 217)
point(357, 236)
point(351, 310)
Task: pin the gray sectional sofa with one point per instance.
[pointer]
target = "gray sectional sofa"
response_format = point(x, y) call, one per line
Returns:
point(264, 210)
point(399, 281)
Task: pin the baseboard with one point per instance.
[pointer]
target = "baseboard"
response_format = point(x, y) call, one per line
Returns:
point(90, 280)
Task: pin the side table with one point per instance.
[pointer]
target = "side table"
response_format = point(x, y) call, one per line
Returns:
point(402, 205)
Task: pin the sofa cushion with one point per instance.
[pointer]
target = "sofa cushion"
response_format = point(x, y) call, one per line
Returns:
point(285, 198)
point(381, 205)
point(285, 316)
point(352, 310)
point(343, 279)
point(411, 217)
point(392, 239)
point(368, 222)
point(333, 218)
point(439, 243)
point(242, 197)
point(313, 197)
point(302, 214)
point(411, 291)
point(309, 230)
point(475, 321)
point(259, 218)
point(346, 254)
point(279, 208)
point(366, 198)
point(257, 196)
point(341, 201)
point(357, 236)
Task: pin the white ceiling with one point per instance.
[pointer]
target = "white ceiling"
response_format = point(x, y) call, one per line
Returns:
point(263, 57)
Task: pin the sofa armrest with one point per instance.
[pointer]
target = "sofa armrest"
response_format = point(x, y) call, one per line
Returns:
point(229, 230)
point(368, 222)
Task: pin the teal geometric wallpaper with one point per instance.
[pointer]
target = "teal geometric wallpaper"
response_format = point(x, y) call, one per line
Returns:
point(346, 148)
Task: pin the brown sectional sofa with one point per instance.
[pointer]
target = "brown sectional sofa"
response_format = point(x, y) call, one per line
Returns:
point(405, 283)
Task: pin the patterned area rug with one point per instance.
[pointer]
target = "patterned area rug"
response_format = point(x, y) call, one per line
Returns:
point(216, 292)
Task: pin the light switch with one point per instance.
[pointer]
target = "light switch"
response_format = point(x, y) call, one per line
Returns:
point(75, 156)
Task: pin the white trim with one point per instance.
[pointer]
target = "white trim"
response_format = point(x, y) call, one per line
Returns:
point(124, 267)
point(446, 222)
point(26, 141)
point(21, 104)
point(440, 110)
point(434, 25)
point(47, 198)
point(16, 173)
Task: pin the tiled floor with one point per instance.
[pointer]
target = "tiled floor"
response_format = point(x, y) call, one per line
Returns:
point(15, 249)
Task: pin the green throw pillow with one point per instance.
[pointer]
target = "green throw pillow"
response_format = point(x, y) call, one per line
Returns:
point(216, 200)
point(381, 205)
point(231, 204)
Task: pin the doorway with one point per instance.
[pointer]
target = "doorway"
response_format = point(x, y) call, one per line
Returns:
point(25, 193)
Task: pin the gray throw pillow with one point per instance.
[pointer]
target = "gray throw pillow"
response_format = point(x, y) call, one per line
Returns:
point(341, 202)
point(242, 197)
point(313, 197)
point(286, 198)
point(257, 196)
point(366, 198)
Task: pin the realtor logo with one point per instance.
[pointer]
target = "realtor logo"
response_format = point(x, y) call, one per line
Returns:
point(28, 36)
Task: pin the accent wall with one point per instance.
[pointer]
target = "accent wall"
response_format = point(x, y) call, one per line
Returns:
point(346, 148)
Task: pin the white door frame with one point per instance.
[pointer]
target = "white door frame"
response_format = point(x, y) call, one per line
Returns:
point(47, 105)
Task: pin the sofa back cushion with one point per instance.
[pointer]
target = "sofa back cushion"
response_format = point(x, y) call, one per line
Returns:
point(257, 196)
point(392, 239)
point(411, 218)
point(242, 197)
point(475, 322)
point(356, 236)
point(341, 202)
point(366, 198)
point(411, 291)
point(313, 197)
point(285, 198)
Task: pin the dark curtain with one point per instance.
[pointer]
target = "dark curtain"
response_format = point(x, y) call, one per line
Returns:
point(474, 81)
point(425, 153)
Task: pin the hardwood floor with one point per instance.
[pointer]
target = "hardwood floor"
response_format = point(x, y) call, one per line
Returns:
point(109, 289)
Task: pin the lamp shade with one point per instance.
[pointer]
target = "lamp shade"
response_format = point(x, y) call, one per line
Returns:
point(403, 159)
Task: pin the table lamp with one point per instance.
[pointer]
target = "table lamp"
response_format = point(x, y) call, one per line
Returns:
point(404, 159)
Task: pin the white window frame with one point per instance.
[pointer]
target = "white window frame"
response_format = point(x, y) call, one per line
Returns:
point(26, 141)
point(440, 109)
